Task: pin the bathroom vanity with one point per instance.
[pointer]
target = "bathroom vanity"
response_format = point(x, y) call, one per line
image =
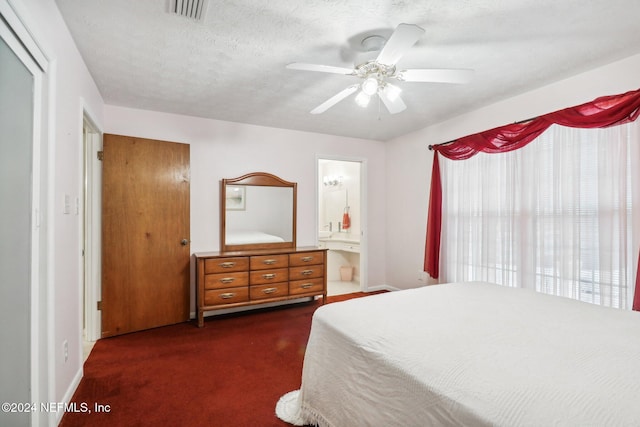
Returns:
point(343, 250)
point(340, 243)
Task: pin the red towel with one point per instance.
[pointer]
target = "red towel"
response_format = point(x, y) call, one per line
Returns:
point(346, 221)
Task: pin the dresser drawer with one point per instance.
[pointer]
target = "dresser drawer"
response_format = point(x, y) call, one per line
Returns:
point(226, 296)
point(221, 265)
point(261, 277)
point(226, 280)
point(269, 262)
point(306, 258)
point(269, 291)
point(304, 286)
point(306, 272)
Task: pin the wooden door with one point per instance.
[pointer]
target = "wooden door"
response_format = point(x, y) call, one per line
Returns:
point(145, 234)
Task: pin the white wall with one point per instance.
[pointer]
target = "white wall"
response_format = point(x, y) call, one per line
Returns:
point(409, 161)
point(70, 88)
point(227, 150)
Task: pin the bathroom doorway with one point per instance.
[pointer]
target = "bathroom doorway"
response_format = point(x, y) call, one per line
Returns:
point(340, 223)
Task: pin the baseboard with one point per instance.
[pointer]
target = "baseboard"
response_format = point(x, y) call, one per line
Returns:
point(69, 393)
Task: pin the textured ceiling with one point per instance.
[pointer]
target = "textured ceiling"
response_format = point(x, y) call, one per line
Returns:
point(231, 65)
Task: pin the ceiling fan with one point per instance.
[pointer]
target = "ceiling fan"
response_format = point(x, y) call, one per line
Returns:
point(376, 72)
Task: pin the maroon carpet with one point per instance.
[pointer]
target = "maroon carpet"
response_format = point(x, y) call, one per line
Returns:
point(229, 373)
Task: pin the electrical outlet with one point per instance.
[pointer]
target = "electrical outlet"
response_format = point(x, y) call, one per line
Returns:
point(65, 350)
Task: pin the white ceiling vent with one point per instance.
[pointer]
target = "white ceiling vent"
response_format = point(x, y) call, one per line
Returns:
point(192, 9)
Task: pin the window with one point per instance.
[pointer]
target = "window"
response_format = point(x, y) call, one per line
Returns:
point(556, 216)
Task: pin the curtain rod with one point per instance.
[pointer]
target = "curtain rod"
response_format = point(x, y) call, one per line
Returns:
point(454, 140)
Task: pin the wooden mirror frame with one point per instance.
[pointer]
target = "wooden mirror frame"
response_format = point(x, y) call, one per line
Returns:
point(255, 179)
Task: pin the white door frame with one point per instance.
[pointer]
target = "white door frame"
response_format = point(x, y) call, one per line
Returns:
point(364, 282)
point(92, 241)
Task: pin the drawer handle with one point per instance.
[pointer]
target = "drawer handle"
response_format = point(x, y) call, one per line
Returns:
point(227, 280)
point(269, 276)
point(227, 264)
point(306, 285)
point(269, 261)
point(307, 258)
point(270, 290)
point(227, 295)
point(306, 272)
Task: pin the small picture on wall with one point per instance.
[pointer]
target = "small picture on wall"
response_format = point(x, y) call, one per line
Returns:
point(235, 198)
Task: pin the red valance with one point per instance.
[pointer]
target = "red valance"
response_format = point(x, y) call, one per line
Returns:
point(602, 112)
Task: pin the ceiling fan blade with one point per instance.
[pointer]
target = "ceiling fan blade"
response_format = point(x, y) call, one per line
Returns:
point(435, 75)
point(334, 99)
point(320, 68)
point(405, 36)
point(391, 99)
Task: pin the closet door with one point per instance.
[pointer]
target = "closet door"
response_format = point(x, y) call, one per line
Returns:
point(16, 159)
point(145, 234)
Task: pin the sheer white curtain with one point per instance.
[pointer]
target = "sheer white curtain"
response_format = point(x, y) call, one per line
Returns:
point(560, 215)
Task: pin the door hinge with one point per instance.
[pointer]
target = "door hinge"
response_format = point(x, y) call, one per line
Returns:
point(99, 305)
point(100, 155)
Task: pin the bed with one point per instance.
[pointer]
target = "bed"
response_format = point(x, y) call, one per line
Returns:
point(468, 354)
point(244, 237)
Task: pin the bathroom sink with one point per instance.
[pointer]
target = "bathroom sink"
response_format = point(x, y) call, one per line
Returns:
point(324, 234)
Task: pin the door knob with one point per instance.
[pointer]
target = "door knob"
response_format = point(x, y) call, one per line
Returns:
point(184, 242)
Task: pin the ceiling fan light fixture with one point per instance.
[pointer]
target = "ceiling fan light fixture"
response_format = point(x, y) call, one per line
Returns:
point(370, 86)
point(362, 99)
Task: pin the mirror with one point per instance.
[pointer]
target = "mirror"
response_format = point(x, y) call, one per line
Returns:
point(258, 211)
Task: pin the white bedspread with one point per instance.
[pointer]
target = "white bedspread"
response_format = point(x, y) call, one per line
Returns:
point(468, 354)
point(244, 237)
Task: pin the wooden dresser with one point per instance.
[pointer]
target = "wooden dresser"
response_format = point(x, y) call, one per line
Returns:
point(249, 277)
